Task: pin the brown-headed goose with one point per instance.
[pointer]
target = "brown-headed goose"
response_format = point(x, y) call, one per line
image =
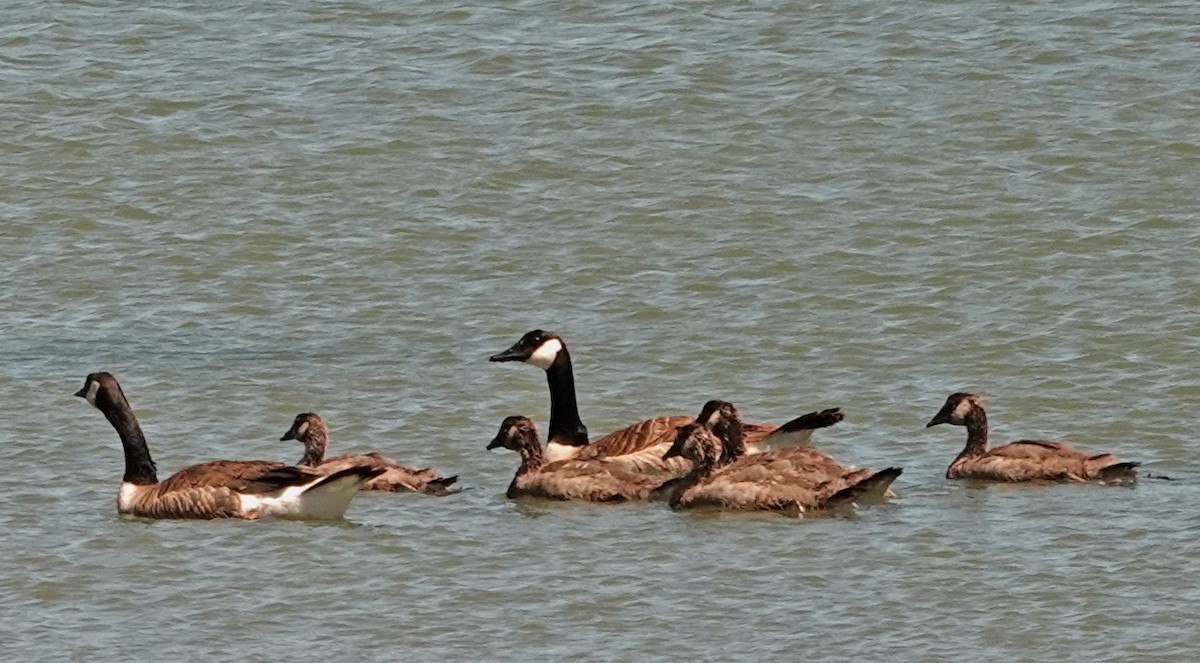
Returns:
point(1023, 460)
point(640, 444)
point(217, 489)
point(795, 481)
point(311, 431)
point(596, 480)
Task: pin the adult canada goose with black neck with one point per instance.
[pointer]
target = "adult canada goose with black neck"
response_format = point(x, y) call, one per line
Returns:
point(217, 489)
point(1023, 460)
point(638, 444)
point(595, 480)
point(794, 481)
point(311, 431)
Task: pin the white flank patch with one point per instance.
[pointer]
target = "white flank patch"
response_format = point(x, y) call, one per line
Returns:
point(779, 439)
point(556, 452)
point(251, 505)
point(302, 429)
point(93, 388)
point(545, 354)
point(127, 492)
point(328, 501)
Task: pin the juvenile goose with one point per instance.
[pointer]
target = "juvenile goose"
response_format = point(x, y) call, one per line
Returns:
point(583, 480)
point(1023, 460)
point(725, 423)
point(311, 431)
point(785, 480)
point(217, 489)
point(640, 444)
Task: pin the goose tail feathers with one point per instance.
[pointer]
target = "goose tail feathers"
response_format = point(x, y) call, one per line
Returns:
point(871, 489)
point(1120, 473)
point(442, 486)
point(322, 497)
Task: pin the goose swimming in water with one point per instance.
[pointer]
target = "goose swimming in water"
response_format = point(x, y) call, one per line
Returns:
point(596, 480)
point(638, 445)
point(1023, 460)
point(310, 430)
point(217, 489)
point(796, 481)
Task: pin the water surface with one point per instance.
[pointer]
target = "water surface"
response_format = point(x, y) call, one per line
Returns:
point(248, 211)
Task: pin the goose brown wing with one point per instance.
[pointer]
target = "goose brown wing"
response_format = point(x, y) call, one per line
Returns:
point(218, 473)
point(793, 461)
point(756, 433)
point(656, 435)
point(637, 437)
point(1025, 460)
point(1036, 449)
point(748, 490)
point(395, 478)
point(759, 487)
point(587, 481)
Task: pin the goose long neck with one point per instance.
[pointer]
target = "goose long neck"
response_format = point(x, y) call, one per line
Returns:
point(139, 467)
point(977, 433)
point(565, 425)
point(733, 441)
point(532, 458)
point(315, 441)
point(699, 472)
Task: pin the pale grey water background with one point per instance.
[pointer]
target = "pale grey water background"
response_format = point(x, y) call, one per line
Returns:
point(249, 210)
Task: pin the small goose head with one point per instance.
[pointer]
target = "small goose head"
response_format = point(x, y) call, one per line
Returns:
point(696, 443)
point(102, 391)
point(304, 427)
point(724, 420)
point(958, 408)
point(538, 347)
point(516, 433)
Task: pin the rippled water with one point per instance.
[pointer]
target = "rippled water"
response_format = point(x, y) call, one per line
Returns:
point(250, 210)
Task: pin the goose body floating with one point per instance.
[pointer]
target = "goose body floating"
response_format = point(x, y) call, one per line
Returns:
point(796, 480)
point(217, 489)
point(1023, 460)
point(593, 480)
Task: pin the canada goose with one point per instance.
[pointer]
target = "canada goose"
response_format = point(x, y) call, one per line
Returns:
point(567, 437)
point(217, 489)
point(596, 480)
point(1023, 460)
point(311, 431)
point(724, 421)
point(795, 480)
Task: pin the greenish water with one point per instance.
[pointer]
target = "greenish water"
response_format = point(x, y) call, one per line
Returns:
point(245, 211)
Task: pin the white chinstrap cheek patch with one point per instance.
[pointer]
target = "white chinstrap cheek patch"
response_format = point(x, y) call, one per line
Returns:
point(92, 390)
point(302, 429)
point(963, 408)
point(545, 354)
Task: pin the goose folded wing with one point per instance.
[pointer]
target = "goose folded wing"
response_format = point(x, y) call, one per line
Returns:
point(635, 438)
point(222, 473)
point(1034, 449)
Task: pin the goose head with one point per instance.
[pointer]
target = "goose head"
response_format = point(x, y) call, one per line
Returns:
point(696, 443)
point(516, 433)
point(958, 408)
point(724, 420)
point(102, 391)
point(305, 427)
point(538, 347)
